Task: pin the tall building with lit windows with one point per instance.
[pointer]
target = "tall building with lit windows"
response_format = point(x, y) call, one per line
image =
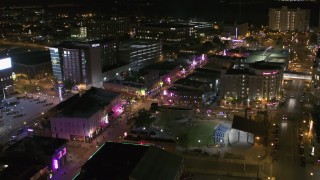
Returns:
point(82, 63)
point(106, 28)
point(285, 19)
point(166, 33)
point(139, 53)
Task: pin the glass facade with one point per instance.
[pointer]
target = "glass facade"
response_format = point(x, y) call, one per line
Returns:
point(56, 64)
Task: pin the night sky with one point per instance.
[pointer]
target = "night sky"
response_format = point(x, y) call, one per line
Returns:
point(213, 10)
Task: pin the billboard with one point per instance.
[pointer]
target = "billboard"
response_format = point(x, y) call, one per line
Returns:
point(5, 63)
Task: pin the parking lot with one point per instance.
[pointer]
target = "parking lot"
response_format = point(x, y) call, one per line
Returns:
point(23, 113)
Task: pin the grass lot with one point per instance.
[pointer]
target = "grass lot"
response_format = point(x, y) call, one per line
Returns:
point(202, 131)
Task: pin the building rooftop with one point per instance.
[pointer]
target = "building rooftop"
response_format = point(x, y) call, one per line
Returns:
point(19, 166)
point(27, 56)
point(185, 89)
point(237, 71)
point(165, 65)
point(85, 105)
point(35, 144)
point(166, 25)
point(85, 44)
point(208, 72)
point(123, 160)
point(261, 65)
point(189, 82)
point(136, 44)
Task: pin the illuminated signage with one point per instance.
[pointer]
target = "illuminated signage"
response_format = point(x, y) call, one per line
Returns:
point(5, 63)
point(55, 164)
point(95, 45)
point(269, 73)
point(62, 153)
point(165, 92)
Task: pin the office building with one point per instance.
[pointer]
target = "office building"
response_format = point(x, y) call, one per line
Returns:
point(96, 29)
point(285, 19)
point(83, 63)
point(167, 33)
point(139, 53)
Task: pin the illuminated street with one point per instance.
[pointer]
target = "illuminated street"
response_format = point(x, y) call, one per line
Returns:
point(289, 165)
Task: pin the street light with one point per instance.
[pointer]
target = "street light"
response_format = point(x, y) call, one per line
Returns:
point(258, 166)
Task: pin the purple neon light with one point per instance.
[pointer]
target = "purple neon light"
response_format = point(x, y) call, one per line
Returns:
point(55, 164)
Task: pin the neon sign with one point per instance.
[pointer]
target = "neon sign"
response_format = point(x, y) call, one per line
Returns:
point(55, 164)
point(269, 73)
point(62, 153)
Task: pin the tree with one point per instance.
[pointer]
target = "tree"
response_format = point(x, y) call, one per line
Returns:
point(279, 42)
point(144, 119)
point(183, 140)
point(207, 46)
point(68, 84)
point(313, 38)
point(218, 43)
point(251, 40)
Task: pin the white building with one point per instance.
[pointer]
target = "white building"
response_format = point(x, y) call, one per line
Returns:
point(261, 80)
point(82, 117)
point(285, 19)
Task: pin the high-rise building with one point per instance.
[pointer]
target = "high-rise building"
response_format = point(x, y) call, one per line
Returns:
point(139, 53)
point(167, 33)
point(82, 62)
point(101, 28)
point(285, 19)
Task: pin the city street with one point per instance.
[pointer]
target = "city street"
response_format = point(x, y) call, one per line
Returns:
point(289, 165)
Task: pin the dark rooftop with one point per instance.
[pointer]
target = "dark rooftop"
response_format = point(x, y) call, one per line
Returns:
point(261, 65)
point(157, 164)
point(185, 89)
point(189, 82)
point(166, 25)
point(226, 57)
point(207, 71)
point(47, 145)
point(19, 166)
point(122, 160)
point(86, 105)
point(247, 125)
point(166, 65)
point(27, 56)
point(85, 44)
point(237, 71)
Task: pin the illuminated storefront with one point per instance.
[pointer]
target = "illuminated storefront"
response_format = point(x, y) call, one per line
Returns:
point(59, 159)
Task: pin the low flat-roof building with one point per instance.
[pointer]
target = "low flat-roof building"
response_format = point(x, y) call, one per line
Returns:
point(130, 161)
point(43, 155)
point(185, 96)
point(82, 117)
